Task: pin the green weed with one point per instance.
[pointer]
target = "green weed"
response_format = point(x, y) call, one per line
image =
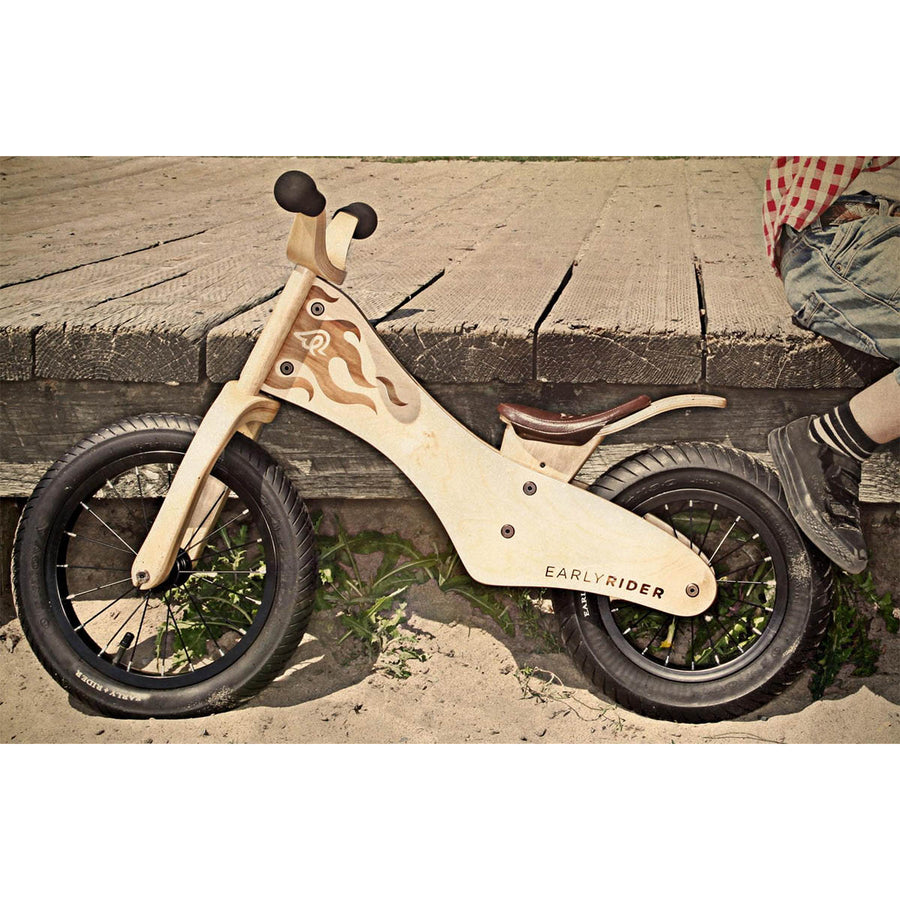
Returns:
point(364, 576)
point(545, 686)
point(848, 638)
point(205, 615)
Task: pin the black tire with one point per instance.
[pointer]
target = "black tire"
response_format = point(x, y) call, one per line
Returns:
point(755, 638)
point(209, 638)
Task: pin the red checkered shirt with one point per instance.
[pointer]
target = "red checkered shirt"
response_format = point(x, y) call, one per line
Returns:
point(800, 188)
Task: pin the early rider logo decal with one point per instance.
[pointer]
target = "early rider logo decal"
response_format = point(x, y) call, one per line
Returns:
point(314, 341)
point(122, 695)
point(604, 582)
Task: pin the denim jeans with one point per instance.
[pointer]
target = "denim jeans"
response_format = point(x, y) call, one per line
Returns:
point(843, 281)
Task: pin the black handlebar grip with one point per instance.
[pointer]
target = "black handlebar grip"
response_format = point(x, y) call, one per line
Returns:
point(367, 219)
point(297, 193)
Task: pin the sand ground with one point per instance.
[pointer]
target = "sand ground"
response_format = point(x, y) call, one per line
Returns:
point(476, 685)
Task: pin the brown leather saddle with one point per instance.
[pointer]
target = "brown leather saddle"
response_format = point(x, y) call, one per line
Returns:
point(558, 428)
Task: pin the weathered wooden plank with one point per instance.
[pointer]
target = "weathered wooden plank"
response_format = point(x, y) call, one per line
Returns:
point(330, 480)
point(69, 300)
point(630, 313)
point(478, 321)
point(64, 307)
point(167, 187)
point(37, 176)
point(434, 215)
point(460, 205)
point(16, 355)
point(44, 417)
point(133, 213)
point(50, 415)
point(78, 234)
point(341, 477)
point(157, 334)
point(40, 420)
point(750, 338)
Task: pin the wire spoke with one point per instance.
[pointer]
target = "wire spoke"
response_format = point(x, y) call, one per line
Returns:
point(208, 514)
point(187, 654)
point(81, 537)
point(130, 617)
point(107, 527)
point(727, 580)
point(708, 526)
point(655, 636)
point(161, 660)
point(727, 633)
point(131, 513)
point(727, 534)
point(105, 608)
point(749, 565)
point(231, 590)
point(637, 622)
point(228, 572)
point(740, 546)
point(137, 473)
point(214, 551)
point(220, 528)
point(227, 623)
point(713, 646)
point(199, 612)
point(94, 590)
point(137, 640)
point(761, 606)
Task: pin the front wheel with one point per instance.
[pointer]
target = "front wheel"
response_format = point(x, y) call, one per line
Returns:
point(226, 620)
point(770, 612)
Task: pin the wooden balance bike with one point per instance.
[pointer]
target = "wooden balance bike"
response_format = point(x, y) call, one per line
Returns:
point(166, 566)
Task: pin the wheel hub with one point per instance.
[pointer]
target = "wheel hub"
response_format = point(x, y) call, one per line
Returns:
point(180, 573)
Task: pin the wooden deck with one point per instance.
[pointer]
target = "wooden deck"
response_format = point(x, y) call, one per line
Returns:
point(131, 285)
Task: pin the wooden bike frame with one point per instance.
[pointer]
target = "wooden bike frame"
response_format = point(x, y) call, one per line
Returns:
point(512, 514)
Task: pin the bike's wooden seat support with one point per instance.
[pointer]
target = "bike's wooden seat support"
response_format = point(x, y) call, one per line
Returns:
point(531, 447)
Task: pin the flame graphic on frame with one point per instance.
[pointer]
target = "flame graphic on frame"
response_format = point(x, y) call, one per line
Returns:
point(315, 343)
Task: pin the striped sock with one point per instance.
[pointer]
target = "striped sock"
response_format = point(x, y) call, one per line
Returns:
point(840, 431)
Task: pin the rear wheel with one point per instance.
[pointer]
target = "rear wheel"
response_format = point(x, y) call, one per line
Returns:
point(771, 607)
point(225, 621)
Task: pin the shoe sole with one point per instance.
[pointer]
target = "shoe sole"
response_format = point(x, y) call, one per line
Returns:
point(794, 489)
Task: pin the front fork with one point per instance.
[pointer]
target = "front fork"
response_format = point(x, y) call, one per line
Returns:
point(194, 499)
